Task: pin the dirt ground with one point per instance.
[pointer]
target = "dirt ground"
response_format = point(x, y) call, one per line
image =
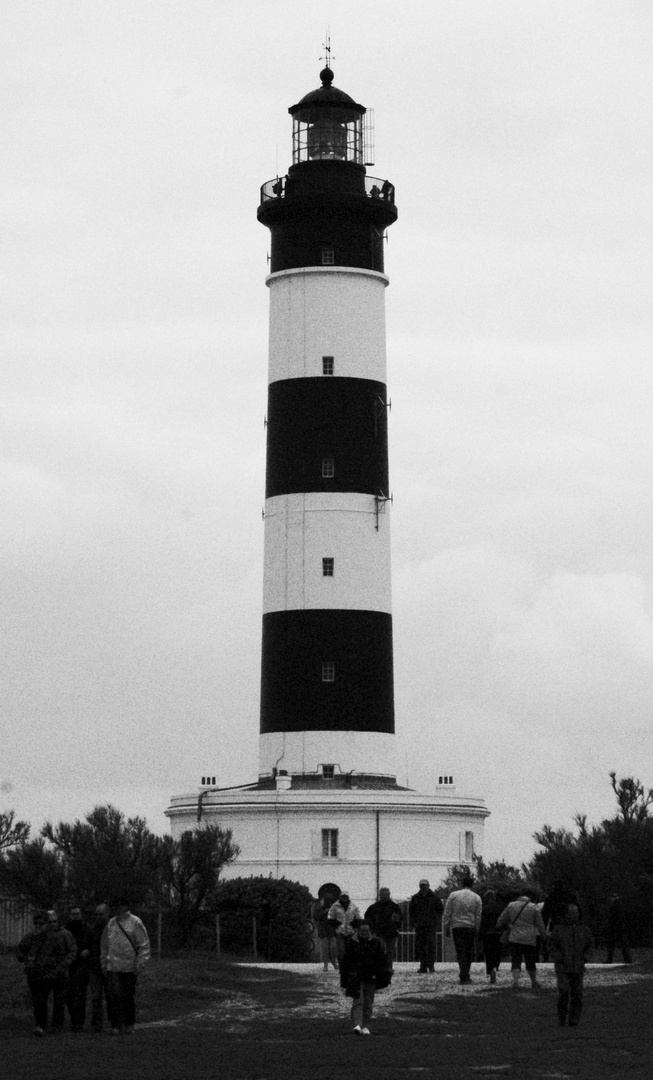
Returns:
point(202, 1017)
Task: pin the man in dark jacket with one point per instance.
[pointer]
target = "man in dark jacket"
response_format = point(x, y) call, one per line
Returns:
point(385, 918)
point(97, 977)
point(569, 947)
point(617, 930)
point(78, 970)
point(47, 954)
point(425, 909)
point(363, 971)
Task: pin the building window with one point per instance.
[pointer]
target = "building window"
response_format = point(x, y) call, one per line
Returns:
point(328, 467)
point(327, 567)
point(327, 365)
point(469, 846)
point(328, 772)
point(328, 258)
point(329, 843)
point(328, 672)
point(444, 780)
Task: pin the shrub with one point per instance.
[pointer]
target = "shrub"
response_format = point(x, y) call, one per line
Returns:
point(281, 909)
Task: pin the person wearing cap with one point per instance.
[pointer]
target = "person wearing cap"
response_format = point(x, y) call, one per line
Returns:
point(345, 918)
point(425, 909)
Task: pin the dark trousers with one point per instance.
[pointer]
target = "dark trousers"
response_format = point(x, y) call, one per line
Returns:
point(517, 952)
point(390, 949)
point(40, 990)
point(99, 993)
point(425, 946)
point(492, 950)
point(619, 938)
point(570, 996)
point(463, 939)
point(121, 995)
point(76, 996)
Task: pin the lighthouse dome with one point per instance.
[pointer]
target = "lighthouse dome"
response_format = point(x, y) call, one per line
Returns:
point(327, 97)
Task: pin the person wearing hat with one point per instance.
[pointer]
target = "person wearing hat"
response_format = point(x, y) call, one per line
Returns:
point(425, 909)
point(345, 918)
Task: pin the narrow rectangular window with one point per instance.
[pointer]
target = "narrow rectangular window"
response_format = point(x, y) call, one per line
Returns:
point(328, 772)
point(328, 672)
point(327, 365)
point(328, 258)
point(329, 843)
point(469, 846)
point(327, 567)
point(328, 467)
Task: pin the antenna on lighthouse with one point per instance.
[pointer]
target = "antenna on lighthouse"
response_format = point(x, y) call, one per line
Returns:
point(327, 48)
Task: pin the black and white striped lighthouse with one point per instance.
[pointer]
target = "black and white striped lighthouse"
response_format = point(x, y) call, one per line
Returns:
point(327, 702)
point(327, 809)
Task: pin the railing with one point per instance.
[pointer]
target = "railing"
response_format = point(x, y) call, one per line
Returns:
point(375, 188)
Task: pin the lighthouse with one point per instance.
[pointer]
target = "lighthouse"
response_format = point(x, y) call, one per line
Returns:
point(327, 806)
point(327, 699)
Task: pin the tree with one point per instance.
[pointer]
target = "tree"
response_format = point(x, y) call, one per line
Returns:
point(189, 869)
point(12, 832)
point(497, 875)
point(106, 856)
point(33, 873)
point(632, 799)
point(281, 909)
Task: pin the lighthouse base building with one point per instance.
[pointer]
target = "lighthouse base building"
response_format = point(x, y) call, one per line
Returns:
point(326, 808)
point(359, 833)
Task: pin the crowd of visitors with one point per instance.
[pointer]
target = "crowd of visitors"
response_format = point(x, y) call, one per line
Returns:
point(525, 928)
point(99, 959)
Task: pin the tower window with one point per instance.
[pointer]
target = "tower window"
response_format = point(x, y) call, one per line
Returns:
point(327, 365)
point(329, 843)
point(328, 772)
point(328, 467)
point(328, 672)
point(469, 846)
point(328, 257)
point(327, 567)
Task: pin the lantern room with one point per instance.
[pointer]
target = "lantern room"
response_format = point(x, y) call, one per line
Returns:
point(327, 125)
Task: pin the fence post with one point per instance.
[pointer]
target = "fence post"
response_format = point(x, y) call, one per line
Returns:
point(254, 936)
point(159, 925)
point(217, 935)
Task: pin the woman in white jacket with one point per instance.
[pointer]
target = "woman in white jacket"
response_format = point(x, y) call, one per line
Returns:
point(125, 950)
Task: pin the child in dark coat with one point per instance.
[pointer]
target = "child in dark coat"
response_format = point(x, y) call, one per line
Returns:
point(363, 971)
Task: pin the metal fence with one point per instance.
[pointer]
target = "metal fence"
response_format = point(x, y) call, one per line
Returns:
point(15, 921)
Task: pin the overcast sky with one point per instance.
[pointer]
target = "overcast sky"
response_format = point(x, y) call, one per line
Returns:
point(136, 136)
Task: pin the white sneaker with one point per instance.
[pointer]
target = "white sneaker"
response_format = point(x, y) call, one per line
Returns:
point(357, 1030)
point(365, 1031)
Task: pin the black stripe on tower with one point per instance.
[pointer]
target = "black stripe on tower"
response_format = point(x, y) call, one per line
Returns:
point(314, 421)
point(324, 207)
point(327, 670)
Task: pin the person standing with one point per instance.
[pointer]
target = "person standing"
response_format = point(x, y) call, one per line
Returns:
point(425, 909)
point(125, 949)
point(78, 971)
point(524, 922)
point(617, 930)
point(569, 947)
point(326, 933)
point(345, 918)
point(489, 934)
point(47, 955)
point(96, 976)
point(363, 971)
point(385, 918)
point(462, 918)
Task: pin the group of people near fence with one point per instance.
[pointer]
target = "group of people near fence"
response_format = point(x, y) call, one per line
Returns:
point(363, 947)
point(97, 959)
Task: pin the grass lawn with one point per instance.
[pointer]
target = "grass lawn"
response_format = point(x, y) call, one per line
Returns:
point(198, 1016)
